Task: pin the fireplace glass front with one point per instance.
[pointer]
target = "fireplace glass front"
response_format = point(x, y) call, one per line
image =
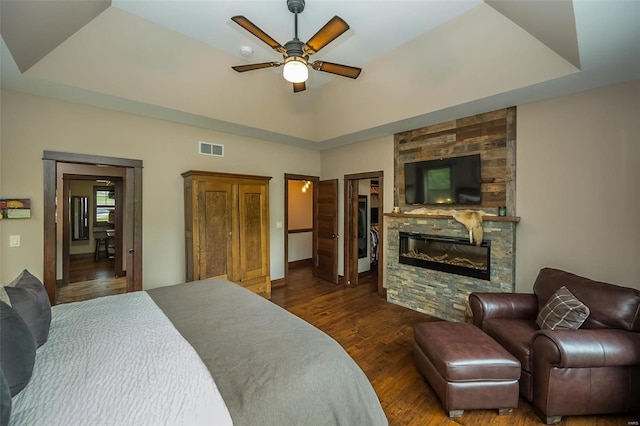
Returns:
point(453, 255)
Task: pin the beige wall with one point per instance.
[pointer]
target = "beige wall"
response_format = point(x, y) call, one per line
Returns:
point(300, 205)
point(31, 125)
point(578, 186)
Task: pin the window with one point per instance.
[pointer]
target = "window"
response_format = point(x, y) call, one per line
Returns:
point(105, 205)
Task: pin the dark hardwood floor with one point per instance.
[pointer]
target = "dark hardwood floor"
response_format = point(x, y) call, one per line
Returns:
point(377, 334)
point(89, 278)
point(379, 337)
point(86, 268)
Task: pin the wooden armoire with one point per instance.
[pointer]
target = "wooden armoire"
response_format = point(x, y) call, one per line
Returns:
point(227, 228)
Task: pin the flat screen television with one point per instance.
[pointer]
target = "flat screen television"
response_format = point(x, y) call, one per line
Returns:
point(454, 180)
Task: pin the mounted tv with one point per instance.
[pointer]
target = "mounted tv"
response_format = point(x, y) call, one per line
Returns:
point(454, 180)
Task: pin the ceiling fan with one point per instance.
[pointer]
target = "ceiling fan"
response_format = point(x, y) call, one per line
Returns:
point(296, 53)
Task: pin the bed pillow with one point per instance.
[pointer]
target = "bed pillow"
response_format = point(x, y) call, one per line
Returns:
point(5, 400)
point(29, 298)
point(17, 349)
point(563, 311)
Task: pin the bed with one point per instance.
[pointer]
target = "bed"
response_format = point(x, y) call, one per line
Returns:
point(204, 352)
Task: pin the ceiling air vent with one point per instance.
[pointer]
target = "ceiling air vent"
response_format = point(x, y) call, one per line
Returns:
point(207, 148)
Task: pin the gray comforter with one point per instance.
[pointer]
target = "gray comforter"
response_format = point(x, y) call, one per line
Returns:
point(271, 367)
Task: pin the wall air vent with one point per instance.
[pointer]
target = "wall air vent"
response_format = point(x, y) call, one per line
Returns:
point(208, 148)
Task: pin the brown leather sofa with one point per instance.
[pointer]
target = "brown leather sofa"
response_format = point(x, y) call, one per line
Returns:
point(592, 370)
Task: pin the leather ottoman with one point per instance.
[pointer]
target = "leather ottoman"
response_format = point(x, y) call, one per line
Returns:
point(466, 368)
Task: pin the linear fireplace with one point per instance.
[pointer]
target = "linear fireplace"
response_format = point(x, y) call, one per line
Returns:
point(446, 254)
point(438, 293)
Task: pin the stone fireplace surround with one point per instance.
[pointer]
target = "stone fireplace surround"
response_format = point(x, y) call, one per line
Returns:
point(442, 294)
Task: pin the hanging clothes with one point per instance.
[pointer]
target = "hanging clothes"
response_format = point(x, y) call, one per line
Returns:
point(374, 245)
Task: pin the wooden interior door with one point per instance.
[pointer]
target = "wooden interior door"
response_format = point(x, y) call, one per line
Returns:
point(326, 218)
point(214, 236)
point(253, 231)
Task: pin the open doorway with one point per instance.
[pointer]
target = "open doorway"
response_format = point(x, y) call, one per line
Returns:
point(324, 231)
point(363, 230)
point(92, 235)
point(299, 238)
point(127, 177)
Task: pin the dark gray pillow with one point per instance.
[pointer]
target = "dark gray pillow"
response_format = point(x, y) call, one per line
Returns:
point(5, 400)
point(29, 298)
point(17, 349)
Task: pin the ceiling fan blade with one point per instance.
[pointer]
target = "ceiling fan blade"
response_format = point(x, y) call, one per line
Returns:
point(326, 35)
point(253, 29)
point(251, 67)
point(343, 70)
point(299, 87)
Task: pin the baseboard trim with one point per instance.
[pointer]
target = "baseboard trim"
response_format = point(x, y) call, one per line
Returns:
point(278, 283)
point(302, 263)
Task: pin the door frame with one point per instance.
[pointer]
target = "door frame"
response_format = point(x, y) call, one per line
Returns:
point(132, 216)
point(314, 180)
point(351, 226)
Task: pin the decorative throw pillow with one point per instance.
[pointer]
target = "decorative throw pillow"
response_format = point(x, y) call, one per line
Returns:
point(563, 311)
point(17, 349)
point(29, 298)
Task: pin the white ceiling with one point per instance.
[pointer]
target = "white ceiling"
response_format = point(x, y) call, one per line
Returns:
point(423, 61)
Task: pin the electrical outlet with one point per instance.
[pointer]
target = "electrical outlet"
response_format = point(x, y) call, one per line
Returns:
point(14, 240)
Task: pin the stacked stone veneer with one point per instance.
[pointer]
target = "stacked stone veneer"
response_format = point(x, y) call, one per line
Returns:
point(442, 294)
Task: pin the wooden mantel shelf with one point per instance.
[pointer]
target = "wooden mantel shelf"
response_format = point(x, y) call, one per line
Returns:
point(515, 219)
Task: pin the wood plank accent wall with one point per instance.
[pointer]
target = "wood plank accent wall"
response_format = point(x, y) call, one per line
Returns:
point(491, 134)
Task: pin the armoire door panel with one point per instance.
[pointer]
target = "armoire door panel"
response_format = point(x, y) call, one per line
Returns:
point(215, 251)
point(253, 231)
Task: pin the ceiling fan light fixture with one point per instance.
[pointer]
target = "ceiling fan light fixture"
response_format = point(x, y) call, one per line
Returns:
point(296, 53)
point(295, 69)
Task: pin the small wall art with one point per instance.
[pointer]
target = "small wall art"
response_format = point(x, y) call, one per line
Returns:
point(15, 208)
